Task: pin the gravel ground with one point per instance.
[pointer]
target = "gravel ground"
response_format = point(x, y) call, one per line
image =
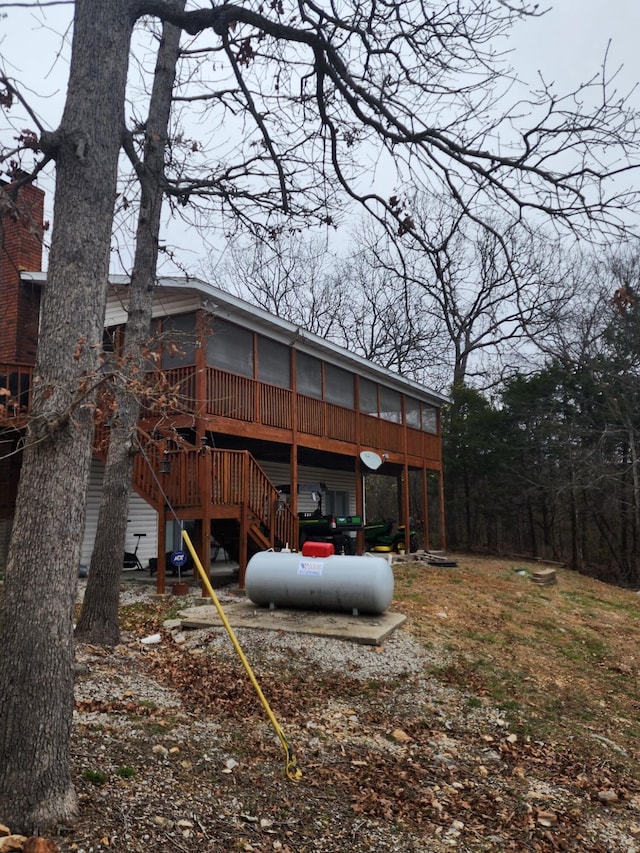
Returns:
point(173, 752)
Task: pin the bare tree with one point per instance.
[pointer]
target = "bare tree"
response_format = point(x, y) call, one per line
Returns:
point(486, 289)
point(299, 93)
point(44, 553)
point(348, 300)
point(98, 620)
point(388, 322)
point(288, 276)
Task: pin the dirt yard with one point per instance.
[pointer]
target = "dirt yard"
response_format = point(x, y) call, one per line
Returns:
point(502, 716)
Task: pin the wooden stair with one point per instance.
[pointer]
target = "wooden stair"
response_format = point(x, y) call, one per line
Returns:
point(226, 486)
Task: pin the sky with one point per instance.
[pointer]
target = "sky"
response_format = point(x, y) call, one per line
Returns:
point(568, 43)
point(567, 46)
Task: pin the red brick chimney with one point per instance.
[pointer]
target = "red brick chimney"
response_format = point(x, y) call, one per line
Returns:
point(20, 249)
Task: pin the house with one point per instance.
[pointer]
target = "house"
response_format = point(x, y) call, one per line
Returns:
point(271, 430)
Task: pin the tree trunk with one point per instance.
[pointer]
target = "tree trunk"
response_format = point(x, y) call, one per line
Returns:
point(533, 540)
point(635, 526)
point(98, 622)
point(36, 615)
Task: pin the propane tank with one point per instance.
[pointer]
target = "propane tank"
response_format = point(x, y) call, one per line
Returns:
point(335, 582)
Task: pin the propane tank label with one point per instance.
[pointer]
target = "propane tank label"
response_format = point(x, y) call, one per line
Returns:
point(306, 567)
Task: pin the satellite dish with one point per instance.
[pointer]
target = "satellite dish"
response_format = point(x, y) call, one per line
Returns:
point(370, 460)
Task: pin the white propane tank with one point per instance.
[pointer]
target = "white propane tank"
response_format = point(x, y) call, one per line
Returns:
point(354, 584)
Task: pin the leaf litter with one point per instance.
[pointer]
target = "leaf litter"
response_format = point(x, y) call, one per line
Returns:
point(511, 724)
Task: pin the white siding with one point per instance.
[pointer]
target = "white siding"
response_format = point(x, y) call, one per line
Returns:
point(142, 519)
point(165, 303)
point(341, 481)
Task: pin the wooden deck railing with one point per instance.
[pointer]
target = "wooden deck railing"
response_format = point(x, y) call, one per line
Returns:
point(230, 395)
point(230, 478)
point(274, 515)
point(145, 477)
point(240, 398)
point(275, 406)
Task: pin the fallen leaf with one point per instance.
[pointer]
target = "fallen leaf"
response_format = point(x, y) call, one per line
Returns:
point(400, 736)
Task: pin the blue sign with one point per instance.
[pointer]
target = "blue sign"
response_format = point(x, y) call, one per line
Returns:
point(178, 558)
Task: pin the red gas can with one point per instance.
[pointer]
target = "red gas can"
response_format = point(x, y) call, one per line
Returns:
point(317, 549)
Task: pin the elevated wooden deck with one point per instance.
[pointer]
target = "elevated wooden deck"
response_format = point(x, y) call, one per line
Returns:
point(235, 405)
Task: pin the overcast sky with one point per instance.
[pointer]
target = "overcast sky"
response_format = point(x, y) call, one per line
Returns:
point(567, 46)
point(569, 42)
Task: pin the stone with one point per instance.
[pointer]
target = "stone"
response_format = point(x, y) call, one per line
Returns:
point(607, 796)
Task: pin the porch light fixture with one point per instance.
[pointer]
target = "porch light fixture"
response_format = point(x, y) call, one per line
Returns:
point(165, 465)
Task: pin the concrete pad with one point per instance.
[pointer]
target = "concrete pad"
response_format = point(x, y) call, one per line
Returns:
point(367, 630)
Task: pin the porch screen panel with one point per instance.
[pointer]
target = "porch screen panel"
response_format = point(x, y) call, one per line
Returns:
point(412, 408)
point(338, 386)
point(273, 363)
point(308, 375)
point(230, 347)
point(368, 397)
point(178, 340)
point(429, 418)
point(390, 405)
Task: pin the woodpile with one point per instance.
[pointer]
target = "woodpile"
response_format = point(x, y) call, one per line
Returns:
point(433, 558)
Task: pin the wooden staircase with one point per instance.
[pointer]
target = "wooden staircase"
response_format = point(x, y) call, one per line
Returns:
point(227, 487)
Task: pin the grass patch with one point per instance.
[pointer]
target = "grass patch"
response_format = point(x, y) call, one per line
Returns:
point(95, 777)
point(484, 638)
point(126, 772)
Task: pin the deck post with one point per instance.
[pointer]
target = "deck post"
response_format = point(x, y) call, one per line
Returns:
point(204, 477)
point(360, 486)
point(406, 509)
point(162, 546)
point(425, 510)
point(244, 522)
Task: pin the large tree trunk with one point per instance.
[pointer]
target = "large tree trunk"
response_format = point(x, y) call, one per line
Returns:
point(98, 622)
point(36, 627)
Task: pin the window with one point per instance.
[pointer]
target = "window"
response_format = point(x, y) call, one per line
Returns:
point(109, 340)
point(338, 386)
point(368, 397)
point(230, 347)
point(273, 363)
point(390, 405)
point(179, 340)
point(308, 375)
point(336, 503)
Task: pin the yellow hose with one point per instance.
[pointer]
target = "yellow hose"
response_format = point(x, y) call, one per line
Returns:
point(292, 770)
